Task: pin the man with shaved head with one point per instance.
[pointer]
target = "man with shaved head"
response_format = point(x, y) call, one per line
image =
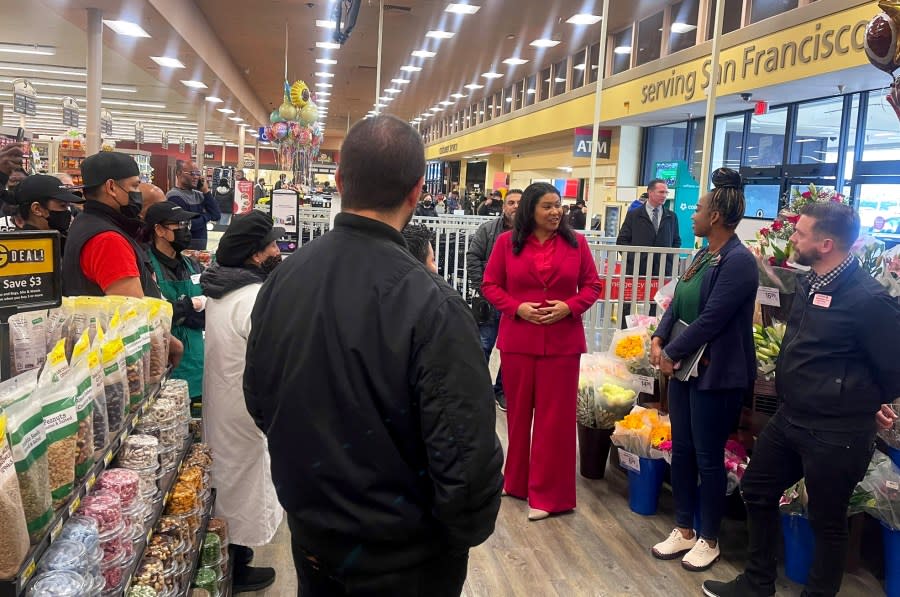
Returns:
point(152, 195)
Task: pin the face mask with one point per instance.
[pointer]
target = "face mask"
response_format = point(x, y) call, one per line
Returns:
point(182, 239)
point(270, 264)
point(60, 220)
point(135, 203)
point(428, 204)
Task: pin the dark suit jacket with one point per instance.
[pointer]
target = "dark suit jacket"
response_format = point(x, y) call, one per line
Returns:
point(727, 299)
point(638, 231)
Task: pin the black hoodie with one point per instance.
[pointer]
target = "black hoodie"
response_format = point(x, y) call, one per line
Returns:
point(219, 280)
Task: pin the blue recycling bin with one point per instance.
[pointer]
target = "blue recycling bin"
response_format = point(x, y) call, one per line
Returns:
point(891, 561)
point(644, 487)
point(799, 545)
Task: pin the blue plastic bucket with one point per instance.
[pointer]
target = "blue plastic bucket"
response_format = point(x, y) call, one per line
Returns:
point(643, 487)
point(894, 454)
point(799, 545)
point(891, 561)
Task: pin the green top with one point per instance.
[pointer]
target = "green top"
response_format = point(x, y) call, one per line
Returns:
point(686, 302)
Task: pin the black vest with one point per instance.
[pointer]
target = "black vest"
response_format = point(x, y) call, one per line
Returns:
point(85, 227)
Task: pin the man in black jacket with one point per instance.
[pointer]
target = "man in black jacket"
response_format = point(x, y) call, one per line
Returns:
point(834, 376)
point(381, 429)
point(476, 260)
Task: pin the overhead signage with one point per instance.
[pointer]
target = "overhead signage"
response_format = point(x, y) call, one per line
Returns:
point(208, 155)
point(29, 271)
point(181, 145)
point(106, 122)
point(449, 148)
point(24, 98)
point(584, 139)
point(70, 116)
point(138, 132)
point(164, 141)
point(323, 169)
point(249, 160)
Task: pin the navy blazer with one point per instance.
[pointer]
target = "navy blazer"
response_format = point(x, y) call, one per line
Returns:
point(725, 324)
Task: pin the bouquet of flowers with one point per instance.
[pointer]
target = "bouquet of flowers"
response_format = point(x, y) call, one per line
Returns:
point(642, 431)
point(736, 462)
point(794, 500)
point(890, 275)
point(881, 488)
point(632, 346)
point(767, 340)
point(870, 253)
point(605, 391)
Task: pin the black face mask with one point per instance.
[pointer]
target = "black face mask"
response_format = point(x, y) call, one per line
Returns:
point(135, 203)
point(270, 264)
point(182, 239)
point(60, 220)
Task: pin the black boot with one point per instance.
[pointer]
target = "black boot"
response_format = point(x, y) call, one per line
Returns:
point(242, 555)
point(247, 578)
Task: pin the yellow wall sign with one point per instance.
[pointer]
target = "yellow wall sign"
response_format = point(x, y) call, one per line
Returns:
point(29, 271)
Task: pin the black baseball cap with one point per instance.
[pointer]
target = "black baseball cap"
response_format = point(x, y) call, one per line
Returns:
point(107, 165)
point(166, 211)
point(496, 194)
point(580, 202)
point(42, 186)
point(245, 236)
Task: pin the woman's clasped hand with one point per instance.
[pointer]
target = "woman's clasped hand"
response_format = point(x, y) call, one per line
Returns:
point(546, 315)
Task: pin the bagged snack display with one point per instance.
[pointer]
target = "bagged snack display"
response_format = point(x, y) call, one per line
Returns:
point(57, 328)
point(84, 409)
point(57, 394)
point(88, 357)
point(28, 443)
point(14, 545)
point(28, 340)
point(160, 316)
point(114, 381)
point(134, 356)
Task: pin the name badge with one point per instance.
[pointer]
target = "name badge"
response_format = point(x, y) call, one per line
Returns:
point(195, 279)
point(822, 300)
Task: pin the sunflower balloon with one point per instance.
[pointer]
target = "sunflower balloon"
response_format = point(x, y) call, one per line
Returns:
point(299, 94)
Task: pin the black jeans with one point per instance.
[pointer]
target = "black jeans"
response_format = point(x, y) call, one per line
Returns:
point(488, 333)
point(701, 424)
point(832, 462)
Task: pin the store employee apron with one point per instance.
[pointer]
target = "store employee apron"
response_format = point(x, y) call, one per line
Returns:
point(191, 366)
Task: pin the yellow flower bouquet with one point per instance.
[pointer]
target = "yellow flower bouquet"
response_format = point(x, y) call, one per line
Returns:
point(642, 431)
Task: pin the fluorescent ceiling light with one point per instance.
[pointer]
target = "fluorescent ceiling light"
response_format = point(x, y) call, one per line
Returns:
point(436, 109)
point(579, 66)
point(458, 95)
point(508, 100)
point(424, 54)
point(225, 110)
point(683, 27)
point(167, 61)
point(462, 9)
point(326, 24)
point(381, 105)
point(323, 101)
point(426, 114)
point(559, 80)
point(440, 34)
point(531, 92)
point(805, 140)
point(214, 100)
point(622, 50)
point(392, 90)
point(446, 103)
point(400, 81)
point(324, 85)
point(129, 103)
point(194, 84)
point(583, 19)
point(410, 68)
point(33, 49)
point(474, 86)
point(325, 61)
point(150, 114)
point(236, 119)
point(126, 28)
point(49, 69)
point(323, 93)
point(491, 75)
point(325, 75)
point(328, 45)
point(515, 61)
point(386, 99)
point(544, 43)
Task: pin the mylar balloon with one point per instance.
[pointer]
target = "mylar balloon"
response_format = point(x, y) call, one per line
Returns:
point(882, 48)
point(310, 113)
point(893, 97)
point(268, 133)
point(280, 129)
point(304, 137)
point(299, 94)
point(275, 117)
point(287, 111)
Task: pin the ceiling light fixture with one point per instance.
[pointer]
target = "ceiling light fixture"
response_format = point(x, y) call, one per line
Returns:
point(126, 28)
point(400, 81)
point(440, 34)
point(322, 100)
point(491, 75)
point(544, 43)
point(581, 66)
point(33, 49)
point(458, 95)
point(326, 24)
point(474, 86)
point(324, 85)
point(559, 80)
point(154, 105)
point(583, 18)
point(683, 27)
point(236, 118)
point(436, 109)
point(386, 99)
point(328, 45)
point(225, 110)
point(424, 54)
point(531, 92)
point(392, 90)
point(325, 61)
point(39, 68)
point(167, 61)
point(194, 84)
point(409, 68)
point(325, 75)
point(515, 61)
point(462, 9)
point(214, 100)
point(381, 105)
point(446, 103)
point(622, 50)
point(323, 93)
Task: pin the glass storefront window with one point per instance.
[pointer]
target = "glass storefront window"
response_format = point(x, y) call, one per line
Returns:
point(683, 31)
point(649, 41)
point(518, 100)
point(733, 17)
point(695, 149)
point(665, 143)
point(879, 211)
point(531, 90)
point(728, 142)
point(560, 72)
point(546, 83)
point(818, 132)
point(579, 65)
point(594, 61)
point(764, 9)
point(507, 99)
point(765, 143)
point(622, 47)
point(851, 142)
point(882, 140)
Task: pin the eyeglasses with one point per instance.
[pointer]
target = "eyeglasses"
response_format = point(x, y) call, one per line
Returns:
point(177, 226)
point(195, 173)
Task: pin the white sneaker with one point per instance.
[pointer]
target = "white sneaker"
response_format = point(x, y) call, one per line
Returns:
point(701, 556)
point(674, 546)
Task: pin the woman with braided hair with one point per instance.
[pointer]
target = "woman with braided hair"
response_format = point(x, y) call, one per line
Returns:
point(715, 300)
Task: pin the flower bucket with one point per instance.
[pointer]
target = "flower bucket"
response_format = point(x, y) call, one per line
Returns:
point(799, 545)
point(644, 486)
point(891, 561)
point(593, 448)
point(894, 454)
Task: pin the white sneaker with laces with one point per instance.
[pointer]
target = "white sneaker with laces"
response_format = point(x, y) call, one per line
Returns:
point(675, 545)
point(701, 556)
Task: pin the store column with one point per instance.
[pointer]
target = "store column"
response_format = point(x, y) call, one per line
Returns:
point(240, 155)
point(201, 134)
point(94, 78)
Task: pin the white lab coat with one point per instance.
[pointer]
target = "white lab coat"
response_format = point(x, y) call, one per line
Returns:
point(241, 470)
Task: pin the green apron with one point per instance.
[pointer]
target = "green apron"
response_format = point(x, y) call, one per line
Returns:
point(191, 366)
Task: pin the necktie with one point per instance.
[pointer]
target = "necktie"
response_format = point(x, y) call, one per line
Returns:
point(656, 219)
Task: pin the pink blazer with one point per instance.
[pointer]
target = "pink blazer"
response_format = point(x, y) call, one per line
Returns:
point(510, 280)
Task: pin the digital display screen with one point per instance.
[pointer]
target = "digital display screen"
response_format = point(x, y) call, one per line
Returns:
point(762, 200)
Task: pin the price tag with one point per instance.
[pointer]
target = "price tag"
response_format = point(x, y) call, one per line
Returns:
point(57, 529)
point(91, 480)
point(166, 498)
point(892, 485)
point(647, 383)
point(29, 571)
point(149, 535)
point(768, 296)
point(108, 458)
point(74, 505)
point(630, 461)
point(145, 407)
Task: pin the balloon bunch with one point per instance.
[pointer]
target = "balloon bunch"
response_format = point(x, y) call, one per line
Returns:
point(294, 126)
point(883, 45)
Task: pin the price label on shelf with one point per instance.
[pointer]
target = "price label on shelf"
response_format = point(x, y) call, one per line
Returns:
point(630, 461)
point(647, 383)
point(29, 571)
point(74, 505)
point(91, 480)
point(892, 485)
point(108, 458)
point(768, 296)
point(57, 529)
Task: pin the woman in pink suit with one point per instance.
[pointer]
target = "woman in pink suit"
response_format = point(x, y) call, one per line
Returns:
point(541, 277)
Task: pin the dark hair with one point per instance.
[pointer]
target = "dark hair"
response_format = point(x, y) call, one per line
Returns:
point(835, 220)
point(523, 225)
point(652, 184)
point(513, 191)
point(25, 208)
point(418, 237)
point(382, 161)
point(727, 197)
point(179, 166)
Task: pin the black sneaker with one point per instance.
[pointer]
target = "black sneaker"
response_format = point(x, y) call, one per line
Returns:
point(500, 398)
point(739, 587)
point(242, 555)
point(248, 578)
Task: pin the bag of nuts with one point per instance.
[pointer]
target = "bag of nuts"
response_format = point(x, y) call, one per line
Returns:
point(12, 517)
point(160, 317)
point(114, 382)
point(57, 393)
point(27, 335)
point(88, 356)
point(84, 410)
